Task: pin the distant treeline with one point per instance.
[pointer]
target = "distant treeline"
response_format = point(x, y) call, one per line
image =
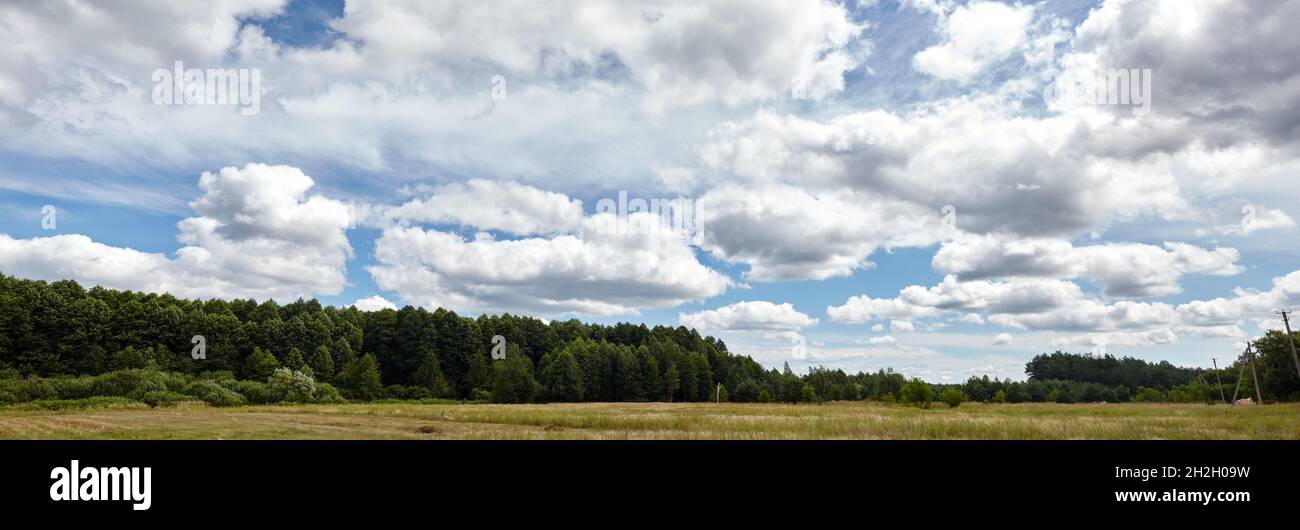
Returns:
point(1084, 378)
point(61, 341)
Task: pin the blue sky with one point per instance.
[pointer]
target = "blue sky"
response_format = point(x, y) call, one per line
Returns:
point(821, 141)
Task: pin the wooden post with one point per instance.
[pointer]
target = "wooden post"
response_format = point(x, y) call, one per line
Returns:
point(1250, 353)
point(1217, 379)
point(1287, 322)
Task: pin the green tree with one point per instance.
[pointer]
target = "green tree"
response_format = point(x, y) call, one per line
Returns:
point(512, 378)
point(791, 387)
point(129, 358)
point(361, 377)
point(429, 376)
point(562, 376)
point(293, 360)
point(916, 392)
point(322, 363)
point(808, 394)
point(672, 380)
point(259, 365)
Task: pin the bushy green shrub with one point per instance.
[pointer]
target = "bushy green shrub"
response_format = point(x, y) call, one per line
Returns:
point(253, 391)
point(7, 397)
point(151, 381)
point(479, 394)
point(888, 398)
point(220, 376)
point(37, 389)
point(74, 387)
point(162, 398)
point(326, 393)
point(117, 383)
point(952, 397)
point(1148, 395)
point(291, 385)
point(214, 394)
point(917, 392)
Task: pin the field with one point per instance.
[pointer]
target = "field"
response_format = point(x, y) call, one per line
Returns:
point(841, 420)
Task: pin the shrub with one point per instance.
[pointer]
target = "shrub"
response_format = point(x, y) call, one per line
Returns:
point(74, 387)
point(326, 393)
point(214, 394)
point(999, 397)
point(117, 383)
point(36, 389)
point(953, 397)
point(479, 394)
point(253, 391)
point(162, 398)
point(150, 381)
point(917, 392)
point(8, 373)
point(291, 385)
point(220, 376)
point(91, 402)
point(7, 397)
point(888, 398)
point(1148, 395)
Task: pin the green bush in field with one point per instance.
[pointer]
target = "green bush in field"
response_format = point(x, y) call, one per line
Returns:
point(1148, 395)
point(162, 398)
point(291, 385)
point(480, 394)
point(888, 398)
point(74, 387)
point(214, 394)
point(253, 391)
point(953, 397)
point(999, 397)
point(117, 383)
point(7, 397)
point(37, 389)
point(326, 393)
point(917, 392)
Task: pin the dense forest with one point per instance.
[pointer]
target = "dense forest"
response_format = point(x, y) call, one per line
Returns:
point(60, 341)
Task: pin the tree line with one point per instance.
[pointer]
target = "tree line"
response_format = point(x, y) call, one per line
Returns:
point(59, 340)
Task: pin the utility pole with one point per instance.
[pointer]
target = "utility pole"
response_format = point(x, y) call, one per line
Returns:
point(1287, 322)
point(1217, 379)
point(1250, 353)
point(1249, 359)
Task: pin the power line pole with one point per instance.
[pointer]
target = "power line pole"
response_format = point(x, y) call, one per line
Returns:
point(1249, 358)
point(1250, 353)
point(1287, 322)
point(1218, 380)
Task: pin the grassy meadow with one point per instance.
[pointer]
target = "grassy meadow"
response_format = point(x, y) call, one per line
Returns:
point(838, 420)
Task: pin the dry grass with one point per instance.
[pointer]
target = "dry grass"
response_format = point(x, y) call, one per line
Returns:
point(845, 420)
